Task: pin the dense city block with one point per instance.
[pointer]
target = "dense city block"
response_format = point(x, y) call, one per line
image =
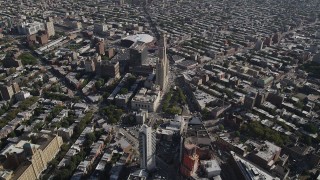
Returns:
point(159, 89)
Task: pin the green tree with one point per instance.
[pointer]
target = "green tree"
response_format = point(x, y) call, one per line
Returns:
point(38, 110)
point(84, 83)
point(98, 134)
point(35, 92)
point(28, 59)
point(113, 113)
point(255, 129)
point(182, 97)
point(54, 163)
point(299, 105)
point(105, 95)
point(24, 105)
point(62, 174)
point(206, 113)
point(12, 70)
point(112, 120)
point(90, 137)
point(2, 111)
point(308, 140)
point(174, 110)
point(99, 83)
point(64, 147)
point(124, 91)
point(55, 88)
point(311, 128)
point(12, 134)
point(226, 64)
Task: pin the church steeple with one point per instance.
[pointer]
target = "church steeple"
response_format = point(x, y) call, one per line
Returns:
point(162, 67)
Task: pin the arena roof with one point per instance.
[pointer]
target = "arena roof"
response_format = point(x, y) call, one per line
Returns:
point(146, 38)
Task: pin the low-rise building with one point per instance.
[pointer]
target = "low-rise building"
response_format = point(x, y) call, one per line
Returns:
point(22, 95)
point(177, 124)
point(211, 168)
point(141, 116)
point(29, 160)
point(122, 100)
point(138, 175)
point(265, 155)
point(146, 99)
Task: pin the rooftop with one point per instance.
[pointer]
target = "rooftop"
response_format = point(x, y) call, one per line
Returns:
point(146, 38)
point(250, 170)
point(210, 165)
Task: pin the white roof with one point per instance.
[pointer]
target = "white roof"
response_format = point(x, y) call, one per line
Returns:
point(211, 165)
point(146, 38)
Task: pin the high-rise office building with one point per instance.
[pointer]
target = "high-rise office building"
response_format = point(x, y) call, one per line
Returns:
point(43, 38)
point(249, 100)
point(100, 48)
point(6, 92)
point(120, 2)
point(261, 97)
point(162, 67)
point(138, 54)
point(50, 28)
point(100, 28)
point(147, 148)
point(190, 158)
point(107, 68)
point(89, 65)
point(15, 87)
point(111, 53)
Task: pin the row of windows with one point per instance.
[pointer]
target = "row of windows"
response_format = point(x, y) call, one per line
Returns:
point(142, 106)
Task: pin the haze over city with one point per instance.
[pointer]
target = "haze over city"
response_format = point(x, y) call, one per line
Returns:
point(159, 89)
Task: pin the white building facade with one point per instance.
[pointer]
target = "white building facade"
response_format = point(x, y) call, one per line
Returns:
point(146, 99)
point(31, 28)
point(147, 148)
